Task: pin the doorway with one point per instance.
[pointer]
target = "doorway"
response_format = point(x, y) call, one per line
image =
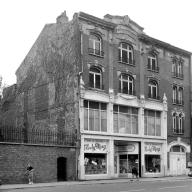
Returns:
point(61, 169)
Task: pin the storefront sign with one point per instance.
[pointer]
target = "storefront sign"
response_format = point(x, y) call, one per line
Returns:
point(131, 148)
point(152, 148)
point(95, 146)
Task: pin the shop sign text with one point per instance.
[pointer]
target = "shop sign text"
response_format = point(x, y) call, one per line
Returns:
point(95, 147)
point(152, 148)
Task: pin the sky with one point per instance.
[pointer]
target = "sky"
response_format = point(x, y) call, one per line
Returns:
point(21, 22)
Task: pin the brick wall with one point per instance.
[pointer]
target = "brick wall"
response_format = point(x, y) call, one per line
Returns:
point(14, 159)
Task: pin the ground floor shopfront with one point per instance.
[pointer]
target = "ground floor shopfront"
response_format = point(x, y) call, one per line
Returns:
point(115, 157)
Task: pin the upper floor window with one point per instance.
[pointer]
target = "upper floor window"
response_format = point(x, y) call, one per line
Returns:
point(153, 89)
point(177, 67)
point(125, 119)
point(152, 63)
point(126, 84)
point(95, 78)
point(178, 95)
point(152, 123)
point(95, 45)
point(95, 116)
point(126, 53)
point(178, 123)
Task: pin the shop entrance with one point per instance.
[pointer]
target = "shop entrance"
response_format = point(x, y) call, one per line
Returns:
point(126, 164)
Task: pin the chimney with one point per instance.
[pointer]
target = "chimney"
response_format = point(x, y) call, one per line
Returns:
point(62, 18)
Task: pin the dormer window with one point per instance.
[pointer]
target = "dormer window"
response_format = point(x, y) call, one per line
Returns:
point(95, 45)
point(126, 53)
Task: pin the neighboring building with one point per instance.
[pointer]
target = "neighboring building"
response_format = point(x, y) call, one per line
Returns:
point(118, 91)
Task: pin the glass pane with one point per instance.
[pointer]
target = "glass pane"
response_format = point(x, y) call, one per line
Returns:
point(85, 103)
point(85, 119)
point(91, 44)
point(104, 121)
point(91, 120)
point(151, 126)
point(96, 120)
point(93, 105)
point(103, 106)
point(124, 46)
point(123, 109)
point(134, 124)
point(115, 123)
point(158, 127)
point(91, 80)
point(124, 56)
point(97, 46)
point(152, 163)
point(128, 124)
point(145, 126)
point(98, 81)
point(122, 120)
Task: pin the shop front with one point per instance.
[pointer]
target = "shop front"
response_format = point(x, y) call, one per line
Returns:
point(153, 160)
point(127, 157)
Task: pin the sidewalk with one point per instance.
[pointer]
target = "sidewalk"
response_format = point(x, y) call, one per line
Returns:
point(107, 181)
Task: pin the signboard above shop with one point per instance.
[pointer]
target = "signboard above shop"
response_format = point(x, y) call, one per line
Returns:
point(130, 147)
point(153, 148)
point(95, 146)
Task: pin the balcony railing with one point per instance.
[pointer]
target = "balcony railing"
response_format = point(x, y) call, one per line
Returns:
point(126, 60)
point(177, 101)
point(34, 136)
point(156, 97)
point(178, 75)
point(96, 52)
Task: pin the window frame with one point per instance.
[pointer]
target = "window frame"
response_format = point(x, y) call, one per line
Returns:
point(153, 85)
point(178, 123)
point(95, 75)
point(152, 57)
point(128, 51)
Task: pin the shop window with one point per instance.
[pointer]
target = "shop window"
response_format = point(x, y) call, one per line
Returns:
point(125, 119)
point(152, 123)
point(95, 116)
point(126, 53)
point(95, 163)
point(126, 84)
point(153, 163)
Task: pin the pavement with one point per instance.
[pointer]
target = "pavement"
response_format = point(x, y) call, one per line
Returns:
point(107, 181)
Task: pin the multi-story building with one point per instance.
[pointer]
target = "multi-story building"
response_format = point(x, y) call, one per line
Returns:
point(126, 96)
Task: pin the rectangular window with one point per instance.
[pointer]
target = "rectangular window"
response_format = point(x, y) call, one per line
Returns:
point(125, 119)
point(95, 163)
point(153, 163)
point(95, 116)
point(152, 124)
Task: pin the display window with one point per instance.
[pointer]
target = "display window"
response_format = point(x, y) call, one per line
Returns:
point(95, 163)
point(153, 163)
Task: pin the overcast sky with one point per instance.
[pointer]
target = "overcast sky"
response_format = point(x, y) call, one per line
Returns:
point(21, 22)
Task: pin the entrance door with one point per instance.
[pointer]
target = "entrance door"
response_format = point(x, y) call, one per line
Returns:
point(177, 163)
point(126, 163)
point(61, 169)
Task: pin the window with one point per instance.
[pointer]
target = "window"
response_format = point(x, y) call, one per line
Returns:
point(95, 116)
point(153, 163)
point(152, 63)
point(95, 45)
point(177, 67)
point(152, 121)
point(125, 119)
point(126, 53)
point(178, 123)
point(177, 148)
point(153, 89)
point(95, 163)
point(126, 84)
point(178, 95)
point(95, 78)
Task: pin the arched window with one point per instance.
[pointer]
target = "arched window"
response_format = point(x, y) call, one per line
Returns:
point(126, 84)
point(181, 124)
point(95, 45)
point(174, 117)
point(178, 123)
point(177, 148)
point(180, 69)
point(153, 89)
point(152, 62)
point(174, 94)
point(180, 95)
point(126, 53)
point(95, 78)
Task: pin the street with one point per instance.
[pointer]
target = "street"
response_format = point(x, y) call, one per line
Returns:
point(134, 186)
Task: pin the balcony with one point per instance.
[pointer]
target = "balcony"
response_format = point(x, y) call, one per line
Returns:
point(96, 52)
point(177, 75)
point(156, 97)
point(126, 60)
point(177, 102)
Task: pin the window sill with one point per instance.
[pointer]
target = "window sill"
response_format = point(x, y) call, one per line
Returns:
point(152, 99)
point(178, 104)
point(181, 78)
point(154, 71)
point(100, 56)
point(96, 89)
point(131, 64)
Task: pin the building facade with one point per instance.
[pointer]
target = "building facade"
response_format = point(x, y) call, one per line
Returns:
point(123, 96)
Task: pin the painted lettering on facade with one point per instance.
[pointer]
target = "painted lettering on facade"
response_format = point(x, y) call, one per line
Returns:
point(152, 148)
point(95, 147)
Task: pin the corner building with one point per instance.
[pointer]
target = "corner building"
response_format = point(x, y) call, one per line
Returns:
point(131, 106)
